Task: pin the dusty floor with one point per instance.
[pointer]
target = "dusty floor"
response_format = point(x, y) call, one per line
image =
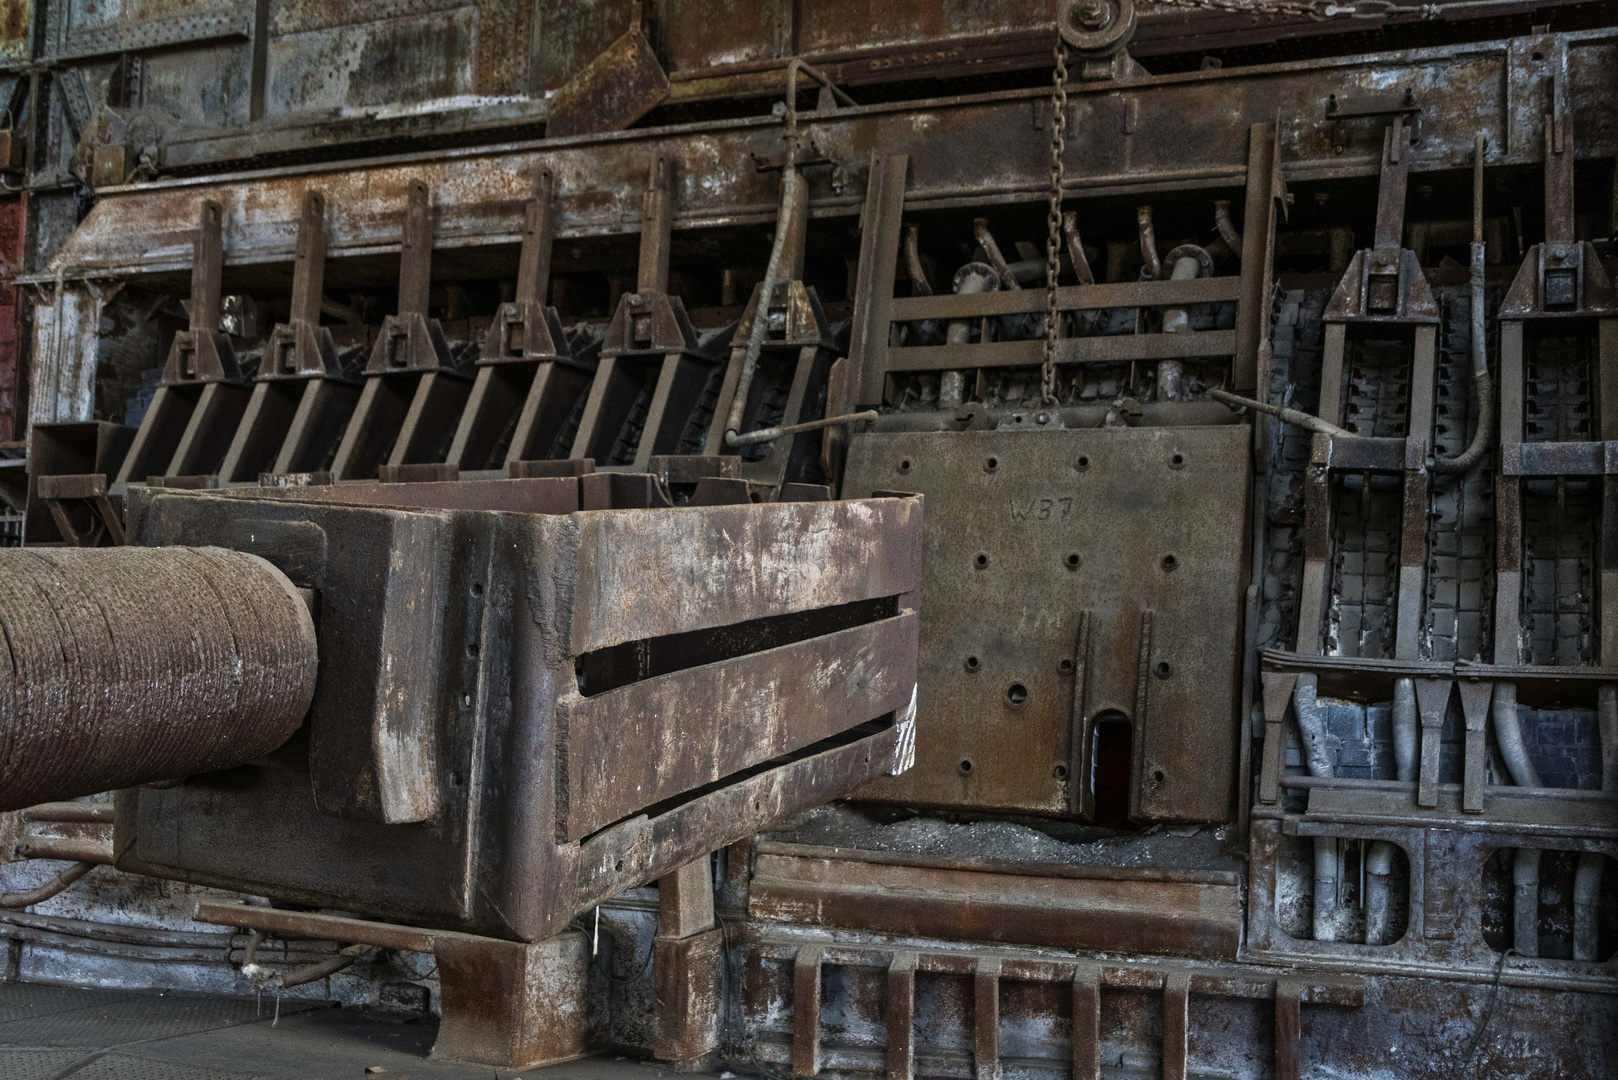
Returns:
point(51, 1033)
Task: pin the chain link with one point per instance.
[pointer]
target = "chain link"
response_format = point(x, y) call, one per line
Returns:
point(1053, 238)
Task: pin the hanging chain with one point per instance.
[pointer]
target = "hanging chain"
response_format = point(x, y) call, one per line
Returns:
point(1053, 238)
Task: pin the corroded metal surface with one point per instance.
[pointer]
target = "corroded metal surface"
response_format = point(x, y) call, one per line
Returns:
point(130, 666)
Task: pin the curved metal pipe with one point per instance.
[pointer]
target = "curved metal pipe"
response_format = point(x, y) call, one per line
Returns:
point(1327, 867)
point(1282, 413)
point(1508, 736)
point(1378, 869)
point(1482, 388)
point(1227, 230)
point(1312, 725)
point(1075, 249)
point(783, 226)
point(1586, 901)
point(1148, 242)
point(1312, 728)
point(49, 889)
point(1587, 879)
point(980, 229)
point(1406, 729)
point(1525, 901)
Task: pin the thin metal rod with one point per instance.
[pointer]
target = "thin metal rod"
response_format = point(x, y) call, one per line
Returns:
point(49, 889)
point(770, 434)
point(1290, 416)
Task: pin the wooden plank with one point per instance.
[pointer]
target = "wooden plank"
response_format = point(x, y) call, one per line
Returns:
point(986, 1019)
point(685, 900)
point(1258, 223)
point(873, 293)
point(1432, 701)
point(1176, 1022)
point(1101, 349)
point(732, 563)
point(806, 1011)
point(638, 850)
point(1068, 298)
point(714, 720)
point(1086, 1021)
point(686, 1000)
point(312, 925)
point(1157, 917)
point(901, 1016)
point(1288, 1031)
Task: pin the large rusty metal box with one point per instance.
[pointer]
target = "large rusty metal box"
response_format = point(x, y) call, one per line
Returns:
point(520, 714)
point(1073, 579)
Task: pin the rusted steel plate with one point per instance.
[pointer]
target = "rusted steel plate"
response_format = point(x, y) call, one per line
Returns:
point(645, 848)
point(1157, 917)
point(636, 575)
point(687, 1002)
point(641, 744)
point(612, 91)
point(537, 495)
point(1025, 532)
point(482, 192)
point(511, 1004)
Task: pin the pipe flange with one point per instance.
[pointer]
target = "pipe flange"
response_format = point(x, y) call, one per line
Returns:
point(982, 275)
point(1205, 263)
point(1096, 28)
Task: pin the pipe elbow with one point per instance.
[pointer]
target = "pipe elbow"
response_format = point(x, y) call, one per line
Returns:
point(1312, 725)
point(1508, 736)
point(1379, 859)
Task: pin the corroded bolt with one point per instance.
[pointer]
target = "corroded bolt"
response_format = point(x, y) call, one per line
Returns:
point(1092, 14)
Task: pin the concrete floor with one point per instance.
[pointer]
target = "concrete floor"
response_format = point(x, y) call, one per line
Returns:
point(51, 1033)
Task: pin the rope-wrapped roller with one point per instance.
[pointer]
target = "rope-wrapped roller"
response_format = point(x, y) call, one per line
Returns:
point(126, 666)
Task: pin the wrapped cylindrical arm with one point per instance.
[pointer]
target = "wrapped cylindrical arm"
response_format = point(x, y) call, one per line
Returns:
point(127, 666)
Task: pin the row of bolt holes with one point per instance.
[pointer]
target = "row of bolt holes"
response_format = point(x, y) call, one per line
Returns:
point(1017, 697)
point(1073, 561)
point(1176, 461)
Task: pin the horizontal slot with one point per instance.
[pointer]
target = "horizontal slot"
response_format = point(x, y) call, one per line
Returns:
point(621, 665)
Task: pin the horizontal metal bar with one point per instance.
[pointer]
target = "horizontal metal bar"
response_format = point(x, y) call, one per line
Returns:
point(66, 812)
point(1068, 298)
point(1108, 349)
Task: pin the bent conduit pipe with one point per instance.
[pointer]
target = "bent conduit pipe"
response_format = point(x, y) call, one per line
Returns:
point(1312, 728)
point(60, 882)
point(1227, 231)
point(1482, 388)
point(1379, 860)
point(1587, 879)
point(1525, 864)
point(1282, 413)
point(784, 225)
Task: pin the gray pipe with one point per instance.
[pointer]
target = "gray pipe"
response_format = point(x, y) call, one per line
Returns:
point(1378, 869)
point(1525, 865)
point(1586, 898)
point(1379, 861)
point(1227, 231)
point(1406, 729)
point(1587, 879)
point(1508, 736)
point(1312, 728)
point(1525, 901)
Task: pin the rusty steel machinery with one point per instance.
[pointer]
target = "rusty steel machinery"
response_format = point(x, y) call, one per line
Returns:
point(916, 540)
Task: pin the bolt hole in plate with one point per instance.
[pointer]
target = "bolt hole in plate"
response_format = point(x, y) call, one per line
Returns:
point(904, 466)
point(1016, 694)
point(1073, 560)
point(1158, 776)
point(972, 663)
point(477, 588)
point(966, 766)
point(981, 559)
point(1065, 667)
point(991, 464)
point(1163, 669)
point(1084, 462)
point(1177, 461)
point(1170, 563)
